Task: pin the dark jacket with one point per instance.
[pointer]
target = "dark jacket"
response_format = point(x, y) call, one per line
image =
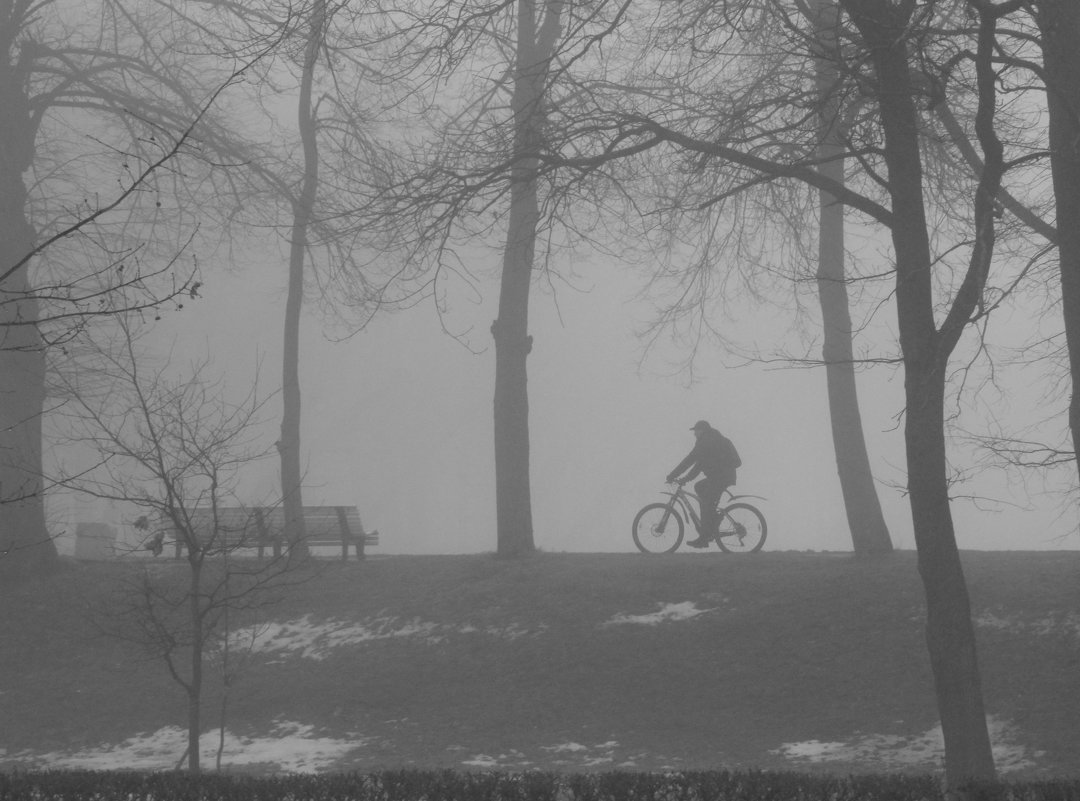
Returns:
point(714, 455)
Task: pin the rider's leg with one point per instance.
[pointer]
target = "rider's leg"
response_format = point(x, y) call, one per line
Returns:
point(708, 491)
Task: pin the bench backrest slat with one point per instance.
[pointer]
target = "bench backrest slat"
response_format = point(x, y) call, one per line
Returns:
point(237, 524)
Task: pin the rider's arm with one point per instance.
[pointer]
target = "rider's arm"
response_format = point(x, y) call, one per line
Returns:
point(690, 459)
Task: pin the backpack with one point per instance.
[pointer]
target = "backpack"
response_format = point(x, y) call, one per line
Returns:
point(730, 453)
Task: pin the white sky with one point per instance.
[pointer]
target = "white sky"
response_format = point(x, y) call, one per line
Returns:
point(397, 420)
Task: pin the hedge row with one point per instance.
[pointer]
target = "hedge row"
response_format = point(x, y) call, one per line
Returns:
point(416, 785)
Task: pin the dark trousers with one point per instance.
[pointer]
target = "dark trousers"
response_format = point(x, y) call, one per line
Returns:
point(709, 491)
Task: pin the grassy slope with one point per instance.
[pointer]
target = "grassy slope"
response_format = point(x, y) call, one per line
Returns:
point(798, 647)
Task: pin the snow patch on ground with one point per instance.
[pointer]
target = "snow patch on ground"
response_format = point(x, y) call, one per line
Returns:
point(311, 639)
point(924, 751)
point(571, 755)
point(1065, 624)
point(585, 756)
point(291, 747)
point(315, 640)
point(667, 613)
point(511, 759)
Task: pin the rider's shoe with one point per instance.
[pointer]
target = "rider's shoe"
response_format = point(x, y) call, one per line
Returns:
point(699, 542)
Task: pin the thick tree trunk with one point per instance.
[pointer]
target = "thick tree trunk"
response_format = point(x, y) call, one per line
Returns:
point(1059, 24)
point(866, 522)
point(26, 549)
point(25, 546)
point(513, 496)
point(291, 471)
point(950, 634)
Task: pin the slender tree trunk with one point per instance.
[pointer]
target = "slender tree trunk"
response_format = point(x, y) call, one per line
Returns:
point(291, 471)
point(194, 689)
point(226, 677)
point(25, 546)
point(950, 634)
point(1059, 24)
point(513, 496)
point(866, 522)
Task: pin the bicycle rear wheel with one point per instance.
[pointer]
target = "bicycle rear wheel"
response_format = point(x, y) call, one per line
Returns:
point(742, 529)
point(658, 529)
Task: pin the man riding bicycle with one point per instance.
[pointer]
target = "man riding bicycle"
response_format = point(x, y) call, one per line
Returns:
point(715, 456)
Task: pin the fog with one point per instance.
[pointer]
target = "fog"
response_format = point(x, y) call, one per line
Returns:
point(398, 420)
point(398, 416)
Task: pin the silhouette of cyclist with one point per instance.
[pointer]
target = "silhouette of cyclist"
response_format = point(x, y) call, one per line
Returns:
point(716, 457)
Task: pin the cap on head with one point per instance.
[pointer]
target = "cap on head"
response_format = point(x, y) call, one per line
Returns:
point(700, 425)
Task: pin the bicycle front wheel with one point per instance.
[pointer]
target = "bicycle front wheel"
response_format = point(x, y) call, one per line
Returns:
point(742, 529)
point(658, 529)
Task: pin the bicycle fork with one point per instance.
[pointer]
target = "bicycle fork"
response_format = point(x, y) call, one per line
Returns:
point(669, 510)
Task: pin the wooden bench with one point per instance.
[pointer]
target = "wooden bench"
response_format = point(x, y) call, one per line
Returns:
point(264, 527)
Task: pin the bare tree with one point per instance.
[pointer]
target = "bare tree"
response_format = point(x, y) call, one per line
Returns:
point(926, 348)
point(477, 174)
point(96, 116)
point(885, 49)
point(172, 450)
point(1036, 57)
point(331, 63)
point(752, 238)
point(1058, 23)
point(772, 135)
point(535, 46)
point(866, 522)
point(302, 208)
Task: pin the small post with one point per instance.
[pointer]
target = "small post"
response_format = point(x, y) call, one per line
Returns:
point(260, 526)
point(346, 534)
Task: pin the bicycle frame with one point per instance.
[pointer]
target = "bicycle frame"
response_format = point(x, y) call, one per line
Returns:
point(683, 498)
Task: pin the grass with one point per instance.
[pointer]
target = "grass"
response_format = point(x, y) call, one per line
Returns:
point(519, 661)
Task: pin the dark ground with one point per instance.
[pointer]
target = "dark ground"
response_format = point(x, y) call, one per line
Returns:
point(518, 661)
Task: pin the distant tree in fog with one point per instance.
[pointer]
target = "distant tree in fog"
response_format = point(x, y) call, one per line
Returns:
point(332, 63)
point(336, 155)
point(302, 209)
point(866, 521)
point(539, 26)
point(566, 182)
point(769, 77)
point(474, 174)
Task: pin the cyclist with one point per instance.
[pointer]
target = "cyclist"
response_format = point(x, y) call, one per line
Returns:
point(716, 457)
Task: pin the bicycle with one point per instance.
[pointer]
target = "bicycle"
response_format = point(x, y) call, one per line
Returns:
point(659, 527)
